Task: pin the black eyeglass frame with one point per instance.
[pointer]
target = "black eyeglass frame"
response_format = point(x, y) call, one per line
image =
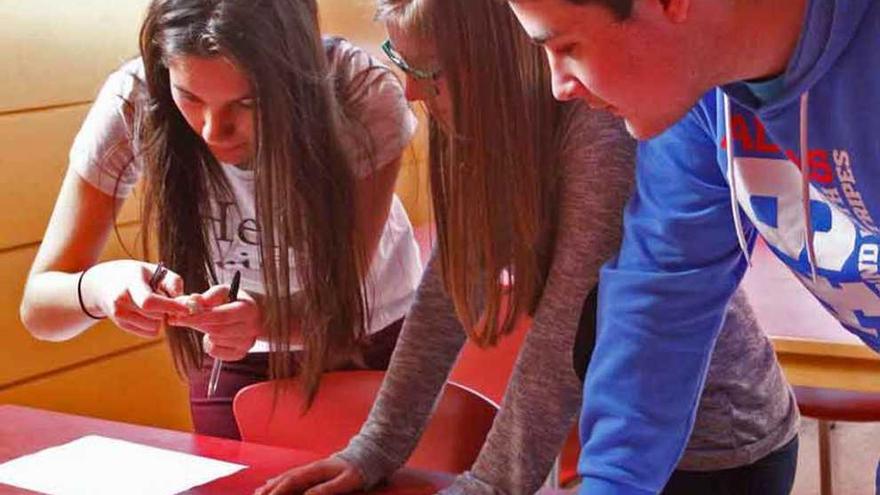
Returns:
point(397, 59)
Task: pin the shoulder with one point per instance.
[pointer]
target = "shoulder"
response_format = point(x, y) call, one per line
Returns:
point(127, 83)
point(378, 122)
point(122, 90)
point(586, 127)
point(596, 144)
point(358, 77)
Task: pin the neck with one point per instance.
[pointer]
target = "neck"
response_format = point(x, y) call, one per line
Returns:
point(761, 39)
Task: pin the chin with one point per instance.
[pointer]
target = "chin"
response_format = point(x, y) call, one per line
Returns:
point(233, 157)
point(643, 131)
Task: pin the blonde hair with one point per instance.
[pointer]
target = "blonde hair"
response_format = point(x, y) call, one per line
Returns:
point(493, 166)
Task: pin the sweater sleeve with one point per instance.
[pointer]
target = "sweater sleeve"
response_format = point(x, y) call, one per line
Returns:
point(543, 396)
point(427, 348)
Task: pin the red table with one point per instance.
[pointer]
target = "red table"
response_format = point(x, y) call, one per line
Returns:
point(25, 431)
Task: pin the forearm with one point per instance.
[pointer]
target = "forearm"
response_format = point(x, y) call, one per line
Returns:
point(539, 408)
point(544, 392)
point(77, 233)
point(374, 196)
point(50, 308)
point(425, 352)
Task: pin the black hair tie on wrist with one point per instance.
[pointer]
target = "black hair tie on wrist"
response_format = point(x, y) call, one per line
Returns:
point(79, 294)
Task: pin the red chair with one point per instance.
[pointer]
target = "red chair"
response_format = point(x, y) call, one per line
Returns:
point(829, 405)
point(488, 370)
point(450, 443)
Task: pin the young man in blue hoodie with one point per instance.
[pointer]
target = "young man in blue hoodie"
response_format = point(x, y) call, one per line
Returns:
point(759, 117)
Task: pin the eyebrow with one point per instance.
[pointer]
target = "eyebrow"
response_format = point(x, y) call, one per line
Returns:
point(185, 92)
point(543, 38)
point(194, 96)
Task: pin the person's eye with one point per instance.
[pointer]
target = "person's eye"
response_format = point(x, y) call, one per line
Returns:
point(247, 103)
point(186, 98)
point(566, 49)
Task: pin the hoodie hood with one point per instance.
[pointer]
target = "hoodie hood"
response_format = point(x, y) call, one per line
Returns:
point(802, 166)
point(828, 29)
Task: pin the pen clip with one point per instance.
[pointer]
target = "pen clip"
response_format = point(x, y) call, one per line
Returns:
point(158, 276)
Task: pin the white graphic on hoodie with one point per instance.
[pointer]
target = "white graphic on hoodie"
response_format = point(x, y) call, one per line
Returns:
point(839, 285)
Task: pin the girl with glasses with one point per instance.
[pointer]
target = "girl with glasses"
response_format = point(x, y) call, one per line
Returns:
point(528, 194)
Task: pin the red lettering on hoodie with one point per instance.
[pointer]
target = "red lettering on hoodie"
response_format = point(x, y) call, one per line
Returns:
point(820, 169)
point(761, 141)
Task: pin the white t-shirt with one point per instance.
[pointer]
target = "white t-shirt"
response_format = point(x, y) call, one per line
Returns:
point(101, 154)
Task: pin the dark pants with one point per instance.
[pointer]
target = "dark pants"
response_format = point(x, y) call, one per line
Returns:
point(213, 416)
point(772, 475)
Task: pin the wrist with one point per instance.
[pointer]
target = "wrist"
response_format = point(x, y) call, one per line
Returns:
point(87, 304)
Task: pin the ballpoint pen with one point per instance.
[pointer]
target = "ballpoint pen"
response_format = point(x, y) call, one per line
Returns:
point(158, 276)
point(214, 378)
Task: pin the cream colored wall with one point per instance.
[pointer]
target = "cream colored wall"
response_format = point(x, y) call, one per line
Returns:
point(55, 56)
point(353, 19)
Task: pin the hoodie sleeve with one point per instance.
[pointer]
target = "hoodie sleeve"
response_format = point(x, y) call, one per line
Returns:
point(662, 302)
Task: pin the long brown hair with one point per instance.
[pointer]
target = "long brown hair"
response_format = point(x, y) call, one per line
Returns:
point(493, 167)
point(304, 185)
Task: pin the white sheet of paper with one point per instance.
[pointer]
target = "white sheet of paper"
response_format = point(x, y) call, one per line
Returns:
point(95, 465)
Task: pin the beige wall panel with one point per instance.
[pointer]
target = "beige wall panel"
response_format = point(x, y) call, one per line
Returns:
point(140, 387)
point(22, 355)
point(33, 159)
point(352, 19)
point(57, 52)
point(413, 182)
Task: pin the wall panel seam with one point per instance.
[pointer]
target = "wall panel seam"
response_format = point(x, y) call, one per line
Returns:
point(34, 244)
point(78, 365)
point(47, 108)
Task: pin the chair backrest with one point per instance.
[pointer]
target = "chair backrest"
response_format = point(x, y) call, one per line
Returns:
point(450, 443)
point(488, 371)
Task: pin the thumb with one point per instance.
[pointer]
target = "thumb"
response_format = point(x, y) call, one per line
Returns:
point(172, 284)
point(215, 296)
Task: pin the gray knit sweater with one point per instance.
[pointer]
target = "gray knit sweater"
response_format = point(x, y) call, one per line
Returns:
point(747, 409)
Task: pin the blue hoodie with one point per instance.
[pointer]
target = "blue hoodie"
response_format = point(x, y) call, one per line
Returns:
point(693, 219)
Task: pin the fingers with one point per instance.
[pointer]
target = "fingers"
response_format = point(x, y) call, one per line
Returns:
point(283, 485)
point(229, 313)
point(215, 296)
point(227, 336)
point(130, 320)
point(224, 353)
point(343, 483)
point(172, 285)
point(298, 479)
point(143, 297)
point(155, 304)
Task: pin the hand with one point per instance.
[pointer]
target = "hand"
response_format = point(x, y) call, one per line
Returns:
point(121, 291)
point(326, 477)
point(230, 328)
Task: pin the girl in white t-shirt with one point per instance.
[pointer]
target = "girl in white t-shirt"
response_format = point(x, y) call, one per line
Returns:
point(265, 149)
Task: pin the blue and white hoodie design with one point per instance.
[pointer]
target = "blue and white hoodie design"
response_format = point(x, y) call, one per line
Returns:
point(803, 171)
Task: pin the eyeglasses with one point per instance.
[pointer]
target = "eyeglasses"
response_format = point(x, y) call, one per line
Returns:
point(398, 60)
